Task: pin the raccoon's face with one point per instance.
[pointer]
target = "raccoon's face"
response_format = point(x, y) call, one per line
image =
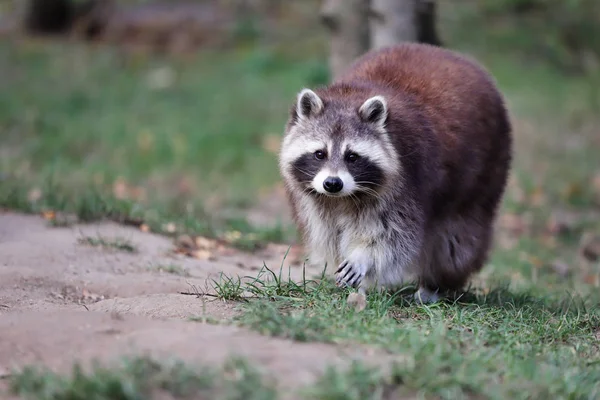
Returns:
point(337, 149)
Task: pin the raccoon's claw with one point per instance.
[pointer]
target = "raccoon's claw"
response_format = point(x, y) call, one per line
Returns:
point(349, 274)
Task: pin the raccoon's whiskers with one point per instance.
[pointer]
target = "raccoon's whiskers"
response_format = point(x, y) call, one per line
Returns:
point(368, 191)
point(301, 170)
point(368, 183)
point(355, 200)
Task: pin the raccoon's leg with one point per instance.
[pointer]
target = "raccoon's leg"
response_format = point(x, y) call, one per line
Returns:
point(456, 249)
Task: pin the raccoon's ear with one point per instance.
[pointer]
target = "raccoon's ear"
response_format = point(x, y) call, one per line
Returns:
point(308, 104)
point(374, 110)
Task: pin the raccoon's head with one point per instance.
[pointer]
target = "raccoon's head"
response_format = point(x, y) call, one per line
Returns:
point(337, 146)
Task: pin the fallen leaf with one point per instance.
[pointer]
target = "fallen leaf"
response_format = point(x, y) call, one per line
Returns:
point(204, 243)
point(201, 254)
point(232, 236)
point(537, 197)
point(590, 246)
point(357, 300)
point(514, 223)
point(170, 227)
point(49, 215)
point(592, 279)
point(144, 228)
point(120, 189)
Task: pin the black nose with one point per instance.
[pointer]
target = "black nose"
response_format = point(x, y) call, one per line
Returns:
point(333, 184)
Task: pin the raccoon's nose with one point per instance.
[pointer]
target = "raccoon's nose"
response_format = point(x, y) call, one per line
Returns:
point(333, 184)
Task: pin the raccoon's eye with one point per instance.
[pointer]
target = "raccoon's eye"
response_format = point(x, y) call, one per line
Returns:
point(352, 157)
point(319, 155)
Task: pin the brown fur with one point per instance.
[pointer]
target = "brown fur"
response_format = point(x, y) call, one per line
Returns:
point(448, 123)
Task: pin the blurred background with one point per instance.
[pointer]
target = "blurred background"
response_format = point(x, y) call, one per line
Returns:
point(168, 114)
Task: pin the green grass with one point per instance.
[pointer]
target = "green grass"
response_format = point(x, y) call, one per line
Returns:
point(142, 378)
point(117, 243)
point(497, 343)
point(173, 269)
point(87, 128)
point(88, 132)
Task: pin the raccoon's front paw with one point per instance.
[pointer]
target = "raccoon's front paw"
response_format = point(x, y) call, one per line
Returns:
point(350, 274)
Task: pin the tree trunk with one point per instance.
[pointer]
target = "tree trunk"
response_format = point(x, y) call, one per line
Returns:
point(426, 23)
point(393, 21)
point(396, 21)
point(48, 16)
point(348, 24)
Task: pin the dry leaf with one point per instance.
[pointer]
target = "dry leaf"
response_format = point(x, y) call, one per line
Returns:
point(232, 236)
point(204, 243)
point(170, 227)
point(513, 223)
point(537, 198)
point(144, 228)
point(185, 242)
point(120, 189)
point(357, 300)
point(590, 246)
point(201, 254)
point(592, 279)
point(49, 215)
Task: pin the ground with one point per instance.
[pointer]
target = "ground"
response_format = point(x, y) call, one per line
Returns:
point(143, 224)
point(63, 300)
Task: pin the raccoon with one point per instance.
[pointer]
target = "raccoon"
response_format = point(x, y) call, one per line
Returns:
point(395, 171)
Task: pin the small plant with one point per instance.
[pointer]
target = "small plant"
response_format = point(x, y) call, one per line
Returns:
point(144, 378)
point(229, 288)
point(118, 243)
point(173, 269)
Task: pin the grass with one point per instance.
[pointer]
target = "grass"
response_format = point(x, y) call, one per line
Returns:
point(142, 378)
point(495, 343)
point(173, 269)
point(117, 243)
point(86, 131)
point(179, 154)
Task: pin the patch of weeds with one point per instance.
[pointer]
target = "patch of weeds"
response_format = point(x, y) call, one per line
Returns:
point(451, 349)
point(117, 243)
point(144, 377)
point(244, 236)
point(271, 285)
point(173, 269)
point(229, 288)
point(357, 382)
point(135, 379)
point(243, 382)
point(296, 324)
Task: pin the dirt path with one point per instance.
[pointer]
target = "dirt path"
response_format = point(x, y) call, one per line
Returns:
point(46, 275)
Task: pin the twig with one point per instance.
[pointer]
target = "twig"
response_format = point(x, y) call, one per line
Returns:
point(197, 294)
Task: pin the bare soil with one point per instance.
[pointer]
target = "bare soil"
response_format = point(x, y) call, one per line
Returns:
point(63, 301)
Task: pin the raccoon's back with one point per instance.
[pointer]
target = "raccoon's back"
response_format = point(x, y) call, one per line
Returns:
point(463, 106)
